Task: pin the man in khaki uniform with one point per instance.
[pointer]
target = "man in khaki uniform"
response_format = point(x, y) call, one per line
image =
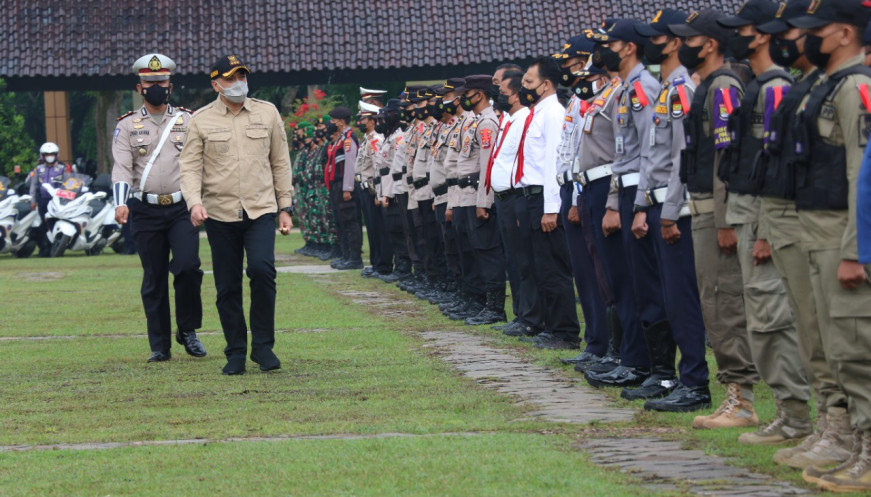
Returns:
point(235, 178)
point(836, 120)
point(714, 241)
point(771, 328)
point(146, 146)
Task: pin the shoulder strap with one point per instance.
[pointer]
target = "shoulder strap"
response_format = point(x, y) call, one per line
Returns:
point(777, 73)
point(726, 72)
point(166, 131)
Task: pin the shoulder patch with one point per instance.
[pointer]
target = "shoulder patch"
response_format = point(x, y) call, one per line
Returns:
point(486, 138)
point(864, 129)
point(125, 115)
point(347, 144)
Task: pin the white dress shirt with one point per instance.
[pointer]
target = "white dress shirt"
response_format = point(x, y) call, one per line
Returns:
point(540, 151)
point(505, 163)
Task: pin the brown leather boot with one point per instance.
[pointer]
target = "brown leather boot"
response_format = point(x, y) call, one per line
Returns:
point(834, 445)
point(737, 410)
point(812, 474)
point(783, 455)
point(792, 423)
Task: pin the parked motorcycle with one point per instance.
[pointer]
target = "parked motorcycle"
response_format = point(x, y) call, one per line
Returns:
point(17, 222)
point(79, 219)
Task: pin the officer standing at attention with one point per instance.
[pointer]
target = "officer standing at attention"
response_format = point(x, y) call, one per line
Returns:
point(146, 146)
point(344, 199)
point(380, 254)
point(714, 241)
point(835, 124)
point(238, 202)
point(833, 439)
point(663, 216)
point(770, 322)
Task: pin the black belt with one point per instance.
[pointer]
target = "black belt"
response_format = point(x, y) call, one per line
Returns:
point(440, 190)
point(420, 183)
point(470, 180)
point(409, 180)
point(452, 182)
point(396, 176)
point(376, 180)
point(384, 171)
point(526, 191)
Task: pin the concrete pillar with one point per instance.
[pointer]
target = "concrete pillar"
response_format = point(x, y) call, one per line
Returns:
point(57, 123)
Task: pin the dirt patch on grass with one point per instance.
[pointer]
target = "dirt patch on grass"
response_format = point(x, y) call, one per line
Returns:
point(42, 276)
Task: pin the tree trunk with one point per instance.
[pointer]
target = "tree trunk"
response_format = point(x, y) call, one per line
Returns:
point(107, 110)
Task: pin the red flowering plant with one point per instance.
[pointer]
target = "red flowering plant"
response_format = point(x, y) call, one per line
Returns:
point(304, 109)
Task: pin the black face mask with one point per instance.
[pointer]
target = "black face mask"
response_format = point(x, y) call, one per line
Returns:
point(605, 58)
point(449, 107)
point(501, 103)
point(362, 128)
point(156, 95)
point(331, 128)
point(689, 56)
point(467, 103)
point(812, 46)
point(493, 92)
point(404, 115)
point(740, 46)
point(319, 133)
point(434, 111)
point(381, 127)
point(528, 97)
point(584, 90)
point(566, 77)
point(653, 52)
point(783, 52)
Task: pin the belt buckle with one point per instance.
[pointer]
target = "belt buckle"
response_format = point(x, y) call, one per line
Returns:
point(616, 181)
point(649, 198)
point(359, 178)
point(692, 205)
point(164, 200)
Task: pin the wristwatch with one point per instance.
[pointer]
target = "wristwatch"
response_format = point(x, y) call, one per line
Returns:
point(288, 210)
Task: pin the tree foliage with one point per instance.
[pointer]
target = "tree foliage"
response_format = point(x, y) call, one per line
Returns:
point(16, 146)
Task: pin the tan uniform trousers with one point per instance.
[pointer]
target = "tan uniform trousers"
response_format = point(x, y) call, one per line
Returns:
point(770, 323)
point(791, 262)
point(845, 328)
point(722, 300)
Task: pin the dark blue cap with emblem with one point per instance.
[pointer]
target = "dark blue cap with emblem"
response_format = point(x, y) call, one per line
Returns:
point(753, 12)
point(576, 46)
point(702, 22)
point(822, 12)
point(659, 25)
point(785, 12)
point(621, 30)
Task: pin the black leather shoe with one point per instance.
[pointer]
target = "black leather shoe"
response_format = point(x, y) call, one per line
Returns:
point(604, 365)
point(469, 311)
point(266, 359)
point(349, 264)
point(622, 376)
point(234, 366)
point(159, 356)
point(655, 387)
point(192, 344)
point(388, 278)
point(682, 399)
point(519, 329)
point(501, 327)
point(486, 316)
point(369, 272)
point(555, 342)
point(584, 356)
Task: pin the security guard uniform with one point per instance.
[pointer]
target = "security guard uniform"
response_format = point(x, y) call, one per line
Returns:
point(146, 148)
point(380, 253)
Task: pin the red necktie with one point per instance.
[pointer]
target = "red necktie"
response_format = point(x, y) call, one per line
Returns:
point(519, 173)
point(493, 156)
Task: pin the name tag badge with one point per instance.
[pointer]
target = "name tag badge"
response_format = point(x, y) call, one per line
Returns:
point(652, 136)
point(618, 145)
point(588, 124)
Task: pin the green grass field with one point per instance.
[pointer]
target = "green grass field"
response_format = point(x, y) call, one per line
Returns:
point(347, 371)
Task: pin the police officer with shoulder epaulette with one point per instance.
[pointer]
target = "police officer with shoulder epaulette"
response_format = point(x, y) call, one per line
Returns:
point(380, 254)
point(834, 127)
point(833, 439)
point(146, 147)
point(770, 321)
point(663, 216)
point(714, 241)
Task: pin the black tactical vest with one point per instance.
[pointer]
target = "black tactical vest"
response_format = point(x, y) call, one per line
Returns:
point(777, 164)
point(821, 169)
point(738, 169)
point(697, 159)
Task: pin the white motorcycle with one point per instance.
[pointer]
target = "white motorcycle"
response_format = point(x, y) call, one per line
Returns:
point(17, 222)
point(78, 218)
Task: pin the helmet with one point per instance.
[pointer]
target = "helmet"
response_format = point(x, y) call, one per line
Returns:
point(48, 148)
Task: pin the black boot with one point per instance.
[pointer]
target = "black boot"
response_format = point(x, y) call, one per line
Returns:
point(472, 308)
point(621, 376)
point(662, 380)
point(682, 399)
point(305, 249)
point(493, 311)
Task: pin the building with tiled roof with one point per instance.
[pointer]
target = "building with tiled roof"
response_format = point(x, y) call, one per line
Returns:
point(91, 44)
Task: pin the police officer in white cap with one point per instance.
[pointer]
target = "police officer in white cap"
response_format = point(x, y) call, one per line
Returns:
point(146, 146)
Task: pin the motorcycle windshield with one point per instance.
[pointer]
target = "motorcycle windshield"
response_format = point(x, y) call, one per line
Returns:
point(4, 187)
point(71, 187)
